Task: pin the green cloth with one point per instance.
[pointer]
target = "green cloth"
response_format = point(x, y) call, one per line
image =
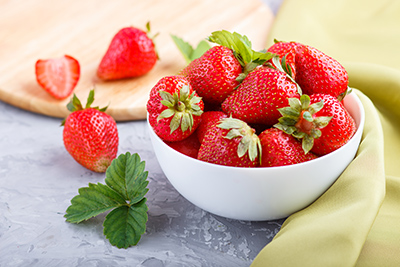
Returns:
point(357, 221)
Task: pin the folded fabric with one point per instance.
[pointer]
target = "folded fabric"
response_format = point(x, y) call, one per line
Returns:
point(356, 222)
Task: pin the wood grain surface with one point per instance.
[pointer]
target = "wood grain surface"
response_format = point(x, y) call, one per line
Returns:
point(40, 29)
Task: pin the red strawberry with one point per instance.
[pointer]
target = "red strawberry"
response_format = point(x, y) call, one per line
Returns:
point(258, 97)
point(58, 76)
point(174, 108)
point(218, 72)
point(280, 148)
point(214, 74)
point(207, 119)
point(90, 135)
point(230, 142)
point(320, 120)
point(131, 53)
point(188, 146)
point(287, 56)
point(319, 73)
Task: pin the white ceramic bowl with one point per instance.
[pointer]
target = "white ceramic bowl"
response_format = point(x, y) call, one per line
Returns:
point(257, 193)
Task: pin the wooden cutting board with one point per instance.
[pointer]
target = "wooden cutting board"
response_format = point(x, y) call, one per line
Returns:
point(40, 29)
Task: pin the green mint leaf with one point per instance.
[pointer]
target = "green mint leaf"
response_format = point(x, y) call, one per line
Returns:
point(124, 225)
point(92, 201)
point(126, 186)
point(127, 177)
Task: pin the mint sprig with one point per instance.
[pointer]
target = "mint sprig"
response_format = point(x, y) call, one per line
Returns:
point(123, 194)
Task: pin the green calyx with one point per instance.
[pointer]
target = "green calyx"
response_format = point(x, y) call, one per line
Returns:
point(242, 49)
point(299, 120)
point(75, 104)
point(249, 143)
point(181, 107)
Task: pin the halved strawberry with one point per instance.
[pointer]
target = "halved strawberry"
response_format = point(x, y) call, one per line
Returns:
point(58, 76)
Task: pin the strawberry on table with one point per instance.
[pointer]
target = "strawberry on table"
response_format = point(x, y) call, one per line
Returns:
point(131, 53)
point(218, 72)
point(90, 135)
point(320, 120)
point(319, 73)
point(231, 142)
point(280, 148)
point(258, 97)
point(174, 108)
point(58, 76)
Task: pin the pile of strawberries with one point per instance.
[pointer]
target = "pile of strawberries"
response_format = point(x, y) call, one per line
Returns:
point(238, 107)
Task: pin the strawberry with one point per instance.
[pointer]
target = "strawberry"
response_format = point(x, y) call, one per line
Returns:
point(280, 148)
point(230, 142)
point(320, 120)
point(188, 146)
point(58, 76)
point(131, 53)
point(258, 97)
point(218, 72)
point(208, 118)
point(286, 52)
point(319, 73)
point(174, 108)
point(90, 135)
point(214, 74)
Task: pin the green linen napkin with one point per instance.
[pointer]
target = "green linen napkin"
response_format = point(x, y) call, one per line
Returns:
point(356, 222)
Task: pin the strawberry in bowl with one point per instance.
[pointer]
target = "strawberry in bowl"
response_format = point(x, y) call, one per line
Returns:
point(268, 149)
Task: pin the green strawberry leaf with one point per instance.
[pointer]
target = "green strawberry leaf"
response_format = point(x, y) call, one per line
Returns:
point(127, 177)
point(92, 201)
point(189, 53)
point(124, 225)
point(123, 194)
